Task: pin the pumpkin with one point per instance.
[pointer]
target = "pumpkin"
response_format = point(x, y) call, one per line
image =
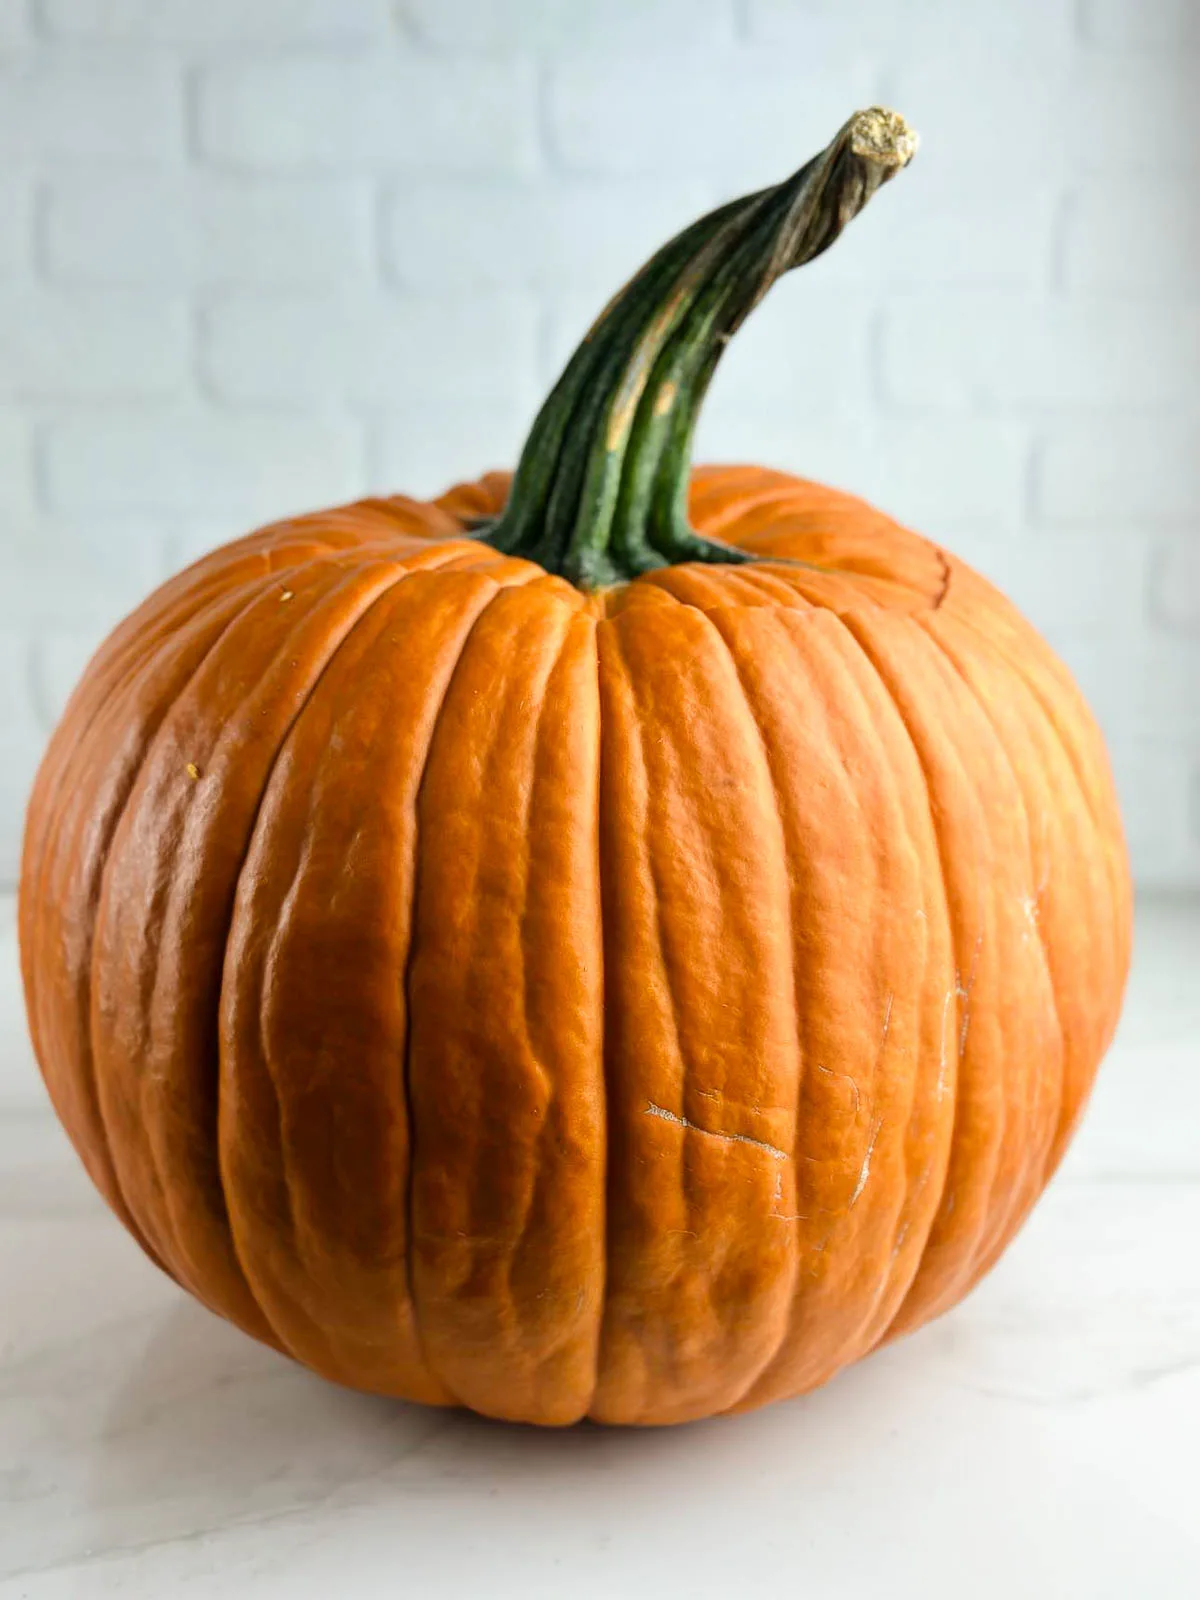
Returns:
point(623, 942)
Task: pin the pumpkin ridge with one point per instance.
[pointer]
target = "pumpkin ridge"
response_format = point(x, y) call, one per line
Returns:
point(334, 578)
point(1017, 1205)
point(951, 923)
point(539, 1052)
point(1117, 882)
point(1017, 664)
point(315, 1331)
point(962, 1003)
point(487, 1073)
point(785, 1334)
point(123, 653)
point(86, 1068)
point(423, 1345)
point(782, 1377)
point(961, 1017)
point(517, 1241)
point(604, 1364)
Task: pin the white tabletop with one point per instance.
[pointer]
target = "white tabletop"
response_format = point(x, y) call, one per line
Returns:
point(1043, 1440)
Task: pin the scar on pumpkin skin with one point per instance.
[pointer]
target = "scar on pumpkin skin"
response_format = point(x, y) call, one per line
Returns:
point(778, 1216)
point(964, 994)
point(865, 1170)
point(940, 1089)
point(830, 1073)
point(713, 1133)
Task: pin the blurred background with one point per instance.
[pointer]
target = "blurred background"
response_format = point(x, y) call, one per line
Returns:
point(257, 255)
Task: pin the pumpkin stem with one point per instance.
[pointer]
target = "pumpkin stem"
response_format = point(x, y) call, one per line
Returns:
point(600, 492)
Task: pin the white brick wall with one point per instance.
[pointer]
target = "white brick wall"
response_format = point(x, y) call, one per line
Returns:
point(366, 110)
point(256, 255)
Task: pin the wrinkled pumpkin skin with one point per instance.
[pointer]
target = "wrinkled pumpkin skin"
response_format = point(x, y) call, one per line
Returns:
point(634, 1005)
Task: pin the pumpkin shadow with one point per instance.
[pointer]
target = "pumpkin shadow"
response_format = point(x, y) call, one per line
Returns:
point(210, 1430)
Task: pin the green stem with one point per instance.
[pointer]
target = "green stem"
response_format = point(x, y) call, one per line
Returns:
point(600, 492)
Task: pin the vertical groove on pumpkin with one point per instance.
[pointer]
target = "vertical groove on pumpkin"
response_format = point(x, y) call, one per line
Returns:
point(335, 642)
point(515, 574)
point(617, 665)
point(314, 1331)
point(720, 625)
point(794, 1369)
point(413, 1147)
point(671, 1329)
point(155, 1247)
point(1116, 875)
point(128, 669)
point(581, 625)
point(258, 982)
point(867, 1335)
point(1047, 684)
point(952, 930)
point(999, 1142)
point(148, 976)
point(1020, 1201)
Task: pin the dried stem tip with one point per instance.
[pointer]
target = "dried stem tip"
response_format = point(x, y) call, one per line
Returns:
point(882, 135)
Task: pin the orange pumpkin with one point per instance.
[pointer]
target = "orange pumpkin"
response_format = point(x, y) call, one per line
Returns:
point(622, 944)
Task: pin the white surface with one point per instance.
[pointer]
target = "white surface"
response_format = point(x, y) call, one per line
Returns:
point(261, 255)
point(1039, 1440)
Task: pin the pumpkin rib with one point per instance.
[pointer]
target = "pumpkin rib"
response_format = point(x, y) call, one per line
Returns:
point(274, 1334)
point(951, 924)
point(171, 1180)
point(678, 931)
point(1012, 644)
point(997, 1150)
point(1053, 721)
point(122, 655)
point(872, 1329)
point(308, 1336)
point(1118, 894)
point(962, 1015)
point(406, 570)
point(604, 1362)
point(409, 965)
point(85, 1070)
point(499, 1358)
point(769, 1357)
point(1005, 1226)
point(541, 1054)
point(794, 1368)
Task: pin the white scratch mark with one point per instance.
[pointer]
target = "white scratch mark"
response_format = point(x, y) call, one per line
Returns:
point(964, 994)
point(776, 1200)
point(887, 1020)
point(738, 1138)
point(943, 1063)
point(865, 1171)
point(830, 1073)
